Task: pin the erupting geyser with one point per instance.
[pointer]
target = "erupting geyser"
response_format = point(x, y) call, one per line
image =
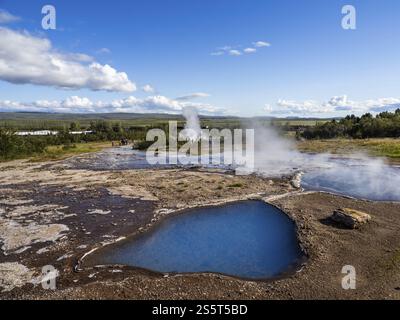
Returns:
point(192, 128)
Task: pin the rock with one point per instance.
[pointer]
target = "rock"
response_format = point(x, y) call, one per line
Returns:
point(42, 250)
point(296, 180)
point(98, 211)
point(65, 256)
point(350, 218)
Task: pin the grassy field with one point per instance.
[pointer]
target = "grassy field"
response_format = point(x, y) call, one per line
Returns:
point(53, 153)
point(388, 147)
point(35, 121)
point(43, 121)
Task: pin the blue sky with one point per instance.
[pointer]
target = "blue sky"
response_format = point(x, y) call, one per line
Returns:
point(309, 65)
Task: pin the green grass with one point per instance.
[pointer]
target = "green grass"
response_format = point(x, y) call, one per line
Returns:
point(236, 185)
point(390, 149)
point(387, 147)
point(39, 121)
point(54, 153)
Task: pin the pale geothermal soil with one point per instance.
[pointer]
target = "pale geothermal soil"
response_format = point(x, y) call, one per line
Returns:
point(53, 215)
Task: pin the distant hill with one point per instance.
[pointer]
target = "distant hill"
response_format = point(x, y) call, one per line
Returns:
point(130, 116)
point(82, 116)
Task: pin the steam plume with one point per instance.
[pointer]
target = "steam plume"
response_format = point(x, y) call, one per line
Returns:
point(192, 128)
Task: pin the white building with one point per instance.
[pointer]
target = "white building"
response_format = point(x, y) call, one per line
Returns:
point(37, 133)
point(48, 133)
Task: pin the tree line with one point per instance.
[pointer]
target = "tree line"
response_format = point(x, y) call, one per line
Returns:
point(13, 146)
point(383, 125)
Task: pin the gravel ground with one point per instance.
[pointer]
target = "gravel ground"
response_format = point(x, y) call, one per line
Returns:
point(52, 214)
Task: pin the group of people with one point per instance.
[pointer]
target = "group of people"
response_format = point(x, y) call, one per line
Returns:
point(122, 142)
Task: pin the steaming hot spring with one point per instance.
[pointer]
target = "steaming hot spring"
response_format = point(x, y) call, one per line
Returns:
point(357, 176)
point(274, 156)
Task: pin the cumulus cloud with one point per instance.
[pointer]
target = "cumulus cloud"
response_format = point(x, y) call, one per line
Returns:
point(261, 44)
point(131, 104)
point(304, 107)
point(235, 52)
point(193, 96)
point(337, 104)
point(148, 88)
point(250, 50)
point(6, 17)
point(27, 59)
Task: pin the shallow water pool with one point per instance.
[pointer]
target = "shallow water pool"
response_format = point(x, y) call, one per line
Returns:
point(247, 239)
point(364, 179)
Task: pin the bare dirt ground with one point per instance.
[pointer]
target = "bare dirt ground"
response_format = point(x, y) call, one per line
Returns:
point(51, 214)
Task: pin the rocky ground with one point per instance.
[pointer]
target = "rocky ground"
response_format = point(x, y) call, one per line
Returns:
point(52, 214)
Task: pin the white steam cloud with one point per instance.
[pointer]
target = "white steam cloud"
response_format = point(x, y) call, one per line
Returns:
point(192, 128)
point(356, 175)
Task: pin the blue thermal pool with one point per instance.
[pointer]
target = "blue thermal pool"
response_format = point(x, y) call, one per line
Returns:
point(248, 239)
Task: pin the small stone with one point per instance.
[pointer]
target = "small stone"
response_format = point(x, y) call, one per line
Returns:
point(350, 218)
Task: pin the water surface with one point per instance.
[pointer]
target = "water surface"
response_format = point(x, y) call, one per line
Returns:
point(360, 178)
point(247, 239)
point(126, 158)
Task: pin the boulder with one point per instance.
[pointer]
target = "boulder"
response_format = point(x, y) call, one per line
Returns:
point(350, 218)
point(296, 180)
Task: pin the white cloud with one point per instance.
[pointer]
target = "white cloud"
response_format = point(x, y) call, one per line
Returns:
point(234, 52)
point(148, 88)
point(342, 103)
point(261, 44)
point(25, 58)
point(6, 17)
point(250, 50)
point(294, 107)
point(268, 108)
point(104, 51)
point(193, 96)
point(237, 51)
point(80, 57)
point(74, 101)
point(335, 105)
point(75, 104)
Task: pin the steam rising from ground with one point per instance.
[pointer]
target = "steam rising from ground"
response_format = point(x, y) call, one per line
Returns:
point(359, 176)
point(356, 175)
point(192, 128)
point(274, 156)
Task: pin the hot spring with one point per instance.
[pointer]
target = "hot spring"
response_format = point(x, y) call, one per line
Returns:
point(357, 176)
point(248, 239)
